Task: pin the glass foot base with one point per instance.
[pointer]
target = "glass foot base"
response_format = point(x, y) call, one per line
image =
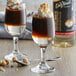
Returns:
point(42, 68)
point(20, 56)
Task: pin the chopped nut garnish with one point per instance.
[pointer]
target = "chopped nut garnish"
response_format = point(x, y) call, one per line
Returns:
point(4, 63)
point(14, 58)
point(44, 10)
point(25, 60)
point(8, 62)
point(2, 69)
point(17, 69)
point(0, 62)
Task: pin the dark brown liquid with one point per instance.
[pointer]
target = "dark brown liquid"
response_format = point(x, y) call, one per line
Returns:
point(42, 27)
point(15, 17)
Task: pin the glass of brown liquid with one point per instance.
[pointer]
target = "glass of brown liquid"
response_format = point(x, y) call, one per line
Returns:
point(43, 30)
point(15, 23)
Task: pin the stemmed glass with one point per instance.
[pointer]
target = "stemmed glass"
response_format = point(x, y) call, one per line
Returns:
point(43, 31)
point(15, 23)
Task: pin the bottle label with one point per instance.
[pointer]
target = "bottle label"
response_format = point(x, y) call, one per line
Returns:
point(65, 33)
point(63, 13)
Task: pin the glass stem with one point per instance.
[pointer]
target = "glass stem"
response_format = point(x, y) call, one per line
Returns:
point(43, 55)
point(15, 42)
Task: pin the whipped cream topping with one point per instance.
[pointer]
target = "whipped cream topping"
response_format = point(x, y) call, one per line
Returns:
point(45, 11)
point(14, 4)
point(15, 1)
